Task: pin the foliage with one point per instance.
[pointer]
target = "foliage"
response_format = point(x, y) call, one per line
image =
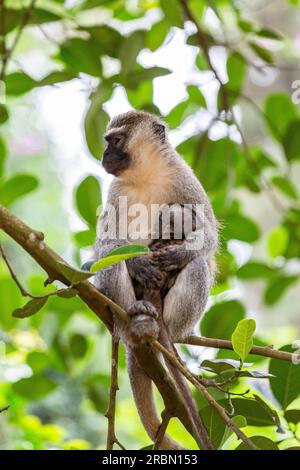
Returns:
point(51, 375)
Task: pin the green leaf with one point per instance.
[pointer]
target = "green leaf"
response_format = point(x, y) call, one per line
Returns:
point(242, 338)
point(269, 34)
point(239, 227)
point(255, 270)
point(17, 187)
point(18, 83)
point(221, 319)
point(246, 26)
point(285, 385)
point(214, 425)
point(253, 374)
point(280, 112)
point(85, 238)
point(119, 254)
point(277, 241)
point(186, 108)
point(82, 56)
point(57, 76)
point(107, 39)
point(292, 416)
point(218, 365)
point(35, 387)
point(173, 12)
point(285, 186)
point(78, 345)
point(37, 361)
point(3, 114)
point(157, 35)
point(32, 307)
point(276, 287)
point(239, 421)
point(133, 79)
point(3, 156)
point(131, 46)
point(254, 413)
point(95, 124)
point(263, 443)
point(261, 52)
point(291, 141)
point(74, 275)
point(15, 17)
point(88, 199)
point(273, 413)
point(236, 71)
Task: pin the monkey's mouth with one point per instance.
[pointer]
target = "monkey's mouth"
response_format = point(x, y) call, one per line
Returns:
point(114, 166)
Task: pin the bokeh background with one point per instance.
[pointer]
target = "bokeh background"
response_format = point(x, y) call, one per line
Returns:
point(233, 115)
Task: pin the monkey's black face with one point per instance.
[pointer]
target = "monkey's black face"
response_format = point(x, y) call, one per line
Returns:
point(115, 159)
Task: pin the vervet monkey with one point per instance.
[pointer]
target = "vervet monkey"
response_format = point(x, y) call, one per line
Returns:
point(148, 171)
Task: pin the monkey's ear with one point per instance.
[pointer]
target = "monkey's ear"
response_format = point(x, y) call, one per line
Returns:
point(159, 130)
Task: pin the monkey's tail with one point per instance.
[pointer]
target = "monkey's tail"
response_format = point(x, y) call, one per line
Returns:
point(141, 386)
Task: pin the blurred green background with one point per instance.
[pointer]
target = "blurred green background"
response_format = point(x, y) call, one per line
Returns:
point(75, 65)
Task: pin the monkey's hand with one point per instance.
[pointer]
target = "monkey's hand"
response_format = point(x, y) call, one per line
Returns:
point(172, 258)
point(143, 325)
point(145, 272)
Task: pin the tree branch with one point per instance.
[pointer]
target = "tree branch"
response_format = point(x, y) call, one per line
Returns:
point(166, 417)
point(201, 388)
point(266, 351)
point(111, 412)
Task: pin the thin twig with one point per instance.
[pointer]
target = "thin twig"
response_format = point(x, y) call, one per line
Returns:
point(4, 408)
point(266, 351)
point(212, 402)
point(111, 411)
point(166, 417)
point(22, 289)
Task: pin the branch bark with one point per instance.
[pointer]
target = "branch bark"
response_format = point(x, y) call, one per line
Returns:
point(266, 351)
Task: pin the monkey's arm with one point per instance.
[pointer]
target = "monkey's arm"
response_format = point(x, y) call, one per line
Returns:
point(201, 241)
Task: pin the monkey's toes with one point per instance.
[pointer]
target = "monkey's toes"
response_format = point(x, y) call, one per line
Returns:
point(143, 307)
point(143, 328)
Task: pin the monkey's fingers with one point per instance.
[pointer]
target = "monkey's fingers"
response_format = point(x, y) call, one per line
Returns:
point(143, 325)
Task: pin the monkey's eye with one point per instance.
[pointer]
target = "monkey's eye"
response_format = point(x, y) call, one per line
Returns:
point(115, 141)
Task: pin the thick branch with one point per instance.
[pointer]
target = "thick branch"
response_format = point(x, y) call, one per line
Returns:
point(266, 351)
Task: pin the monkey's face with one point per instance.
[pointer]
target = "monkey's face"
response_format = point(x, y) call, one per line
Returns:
point(132, 139)
point(115, 158)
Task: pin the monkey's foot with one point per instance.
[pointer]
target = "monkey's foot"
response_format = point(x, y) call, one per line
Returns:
point(143, 325)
